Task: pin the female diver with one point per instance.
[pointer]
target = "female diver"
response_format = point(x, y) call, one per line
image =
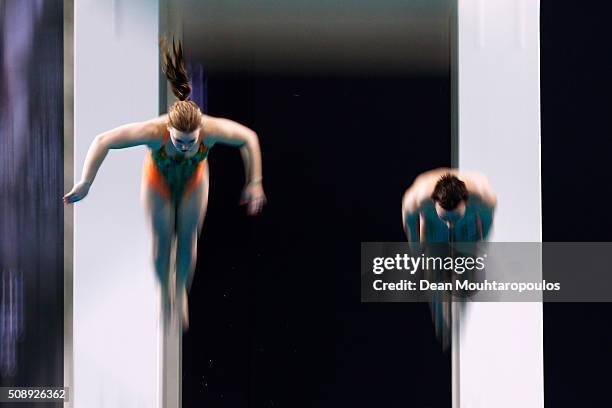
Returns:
point(175, 176)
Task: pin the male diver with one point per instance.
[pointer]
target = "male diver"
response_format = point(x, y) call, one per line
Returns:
point(444, 206)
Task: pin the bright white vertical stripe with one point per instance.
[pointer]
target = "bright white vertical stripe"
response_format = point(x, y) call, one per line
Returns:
point(116, 330)
point(500, 355)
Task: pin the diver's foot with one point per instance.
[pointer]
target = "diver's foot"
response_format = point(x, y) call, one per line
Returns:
point(172, 303)
point(185, 310)
point(170, 312)
point(166, 309)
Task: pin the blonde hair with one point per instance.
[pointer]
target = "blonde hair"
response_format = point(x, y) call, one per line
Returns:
point(184, 114)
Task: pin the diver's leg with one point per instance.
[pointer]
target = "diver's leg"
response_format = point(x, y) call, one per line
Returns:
point(161, 219)
point(190, 217)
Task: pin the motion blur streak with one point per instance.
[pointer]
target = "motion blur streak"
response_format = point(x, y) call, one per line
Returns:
point(11, 319)
point(31, 185)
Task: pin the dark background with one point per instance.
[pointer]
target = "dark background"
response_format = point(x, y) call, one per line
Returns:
point(576, 63)
point(276, 313)
point(351, 101)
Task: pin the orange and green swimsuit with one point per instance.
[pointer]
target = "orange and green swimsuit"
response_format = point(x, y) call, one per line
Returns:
point(174, 177)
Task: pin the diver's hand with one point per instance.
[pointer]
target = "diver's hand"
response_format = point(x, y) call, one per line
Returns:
point(78, 192)
point(254, 198)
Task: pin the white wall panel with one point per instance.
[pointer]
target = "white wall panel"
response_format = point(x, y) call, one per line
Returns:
point(116, 332)
point(500, 358)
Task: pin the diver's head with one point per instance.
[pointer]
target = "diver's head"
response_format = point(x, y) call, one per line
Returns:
point(184, 116)
point(450, 195)
point(184, 141)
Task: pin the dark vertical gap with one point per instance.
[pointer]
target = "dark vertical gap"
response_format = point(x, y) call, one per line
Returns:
point(276, 312)
point(575, 89)
point(276, 317)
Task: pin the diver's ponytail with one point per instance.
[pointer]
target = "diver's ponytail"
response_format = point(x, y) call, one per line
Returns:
point(174, 68)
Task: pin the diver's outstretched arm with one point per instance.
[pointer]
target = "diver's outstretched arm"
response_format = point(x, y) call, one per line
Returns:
point(232, 133)
point(129, 135)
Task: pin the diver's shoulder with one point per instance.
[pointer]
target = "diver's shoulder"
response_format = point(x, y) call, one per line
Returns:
point(155, 130)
